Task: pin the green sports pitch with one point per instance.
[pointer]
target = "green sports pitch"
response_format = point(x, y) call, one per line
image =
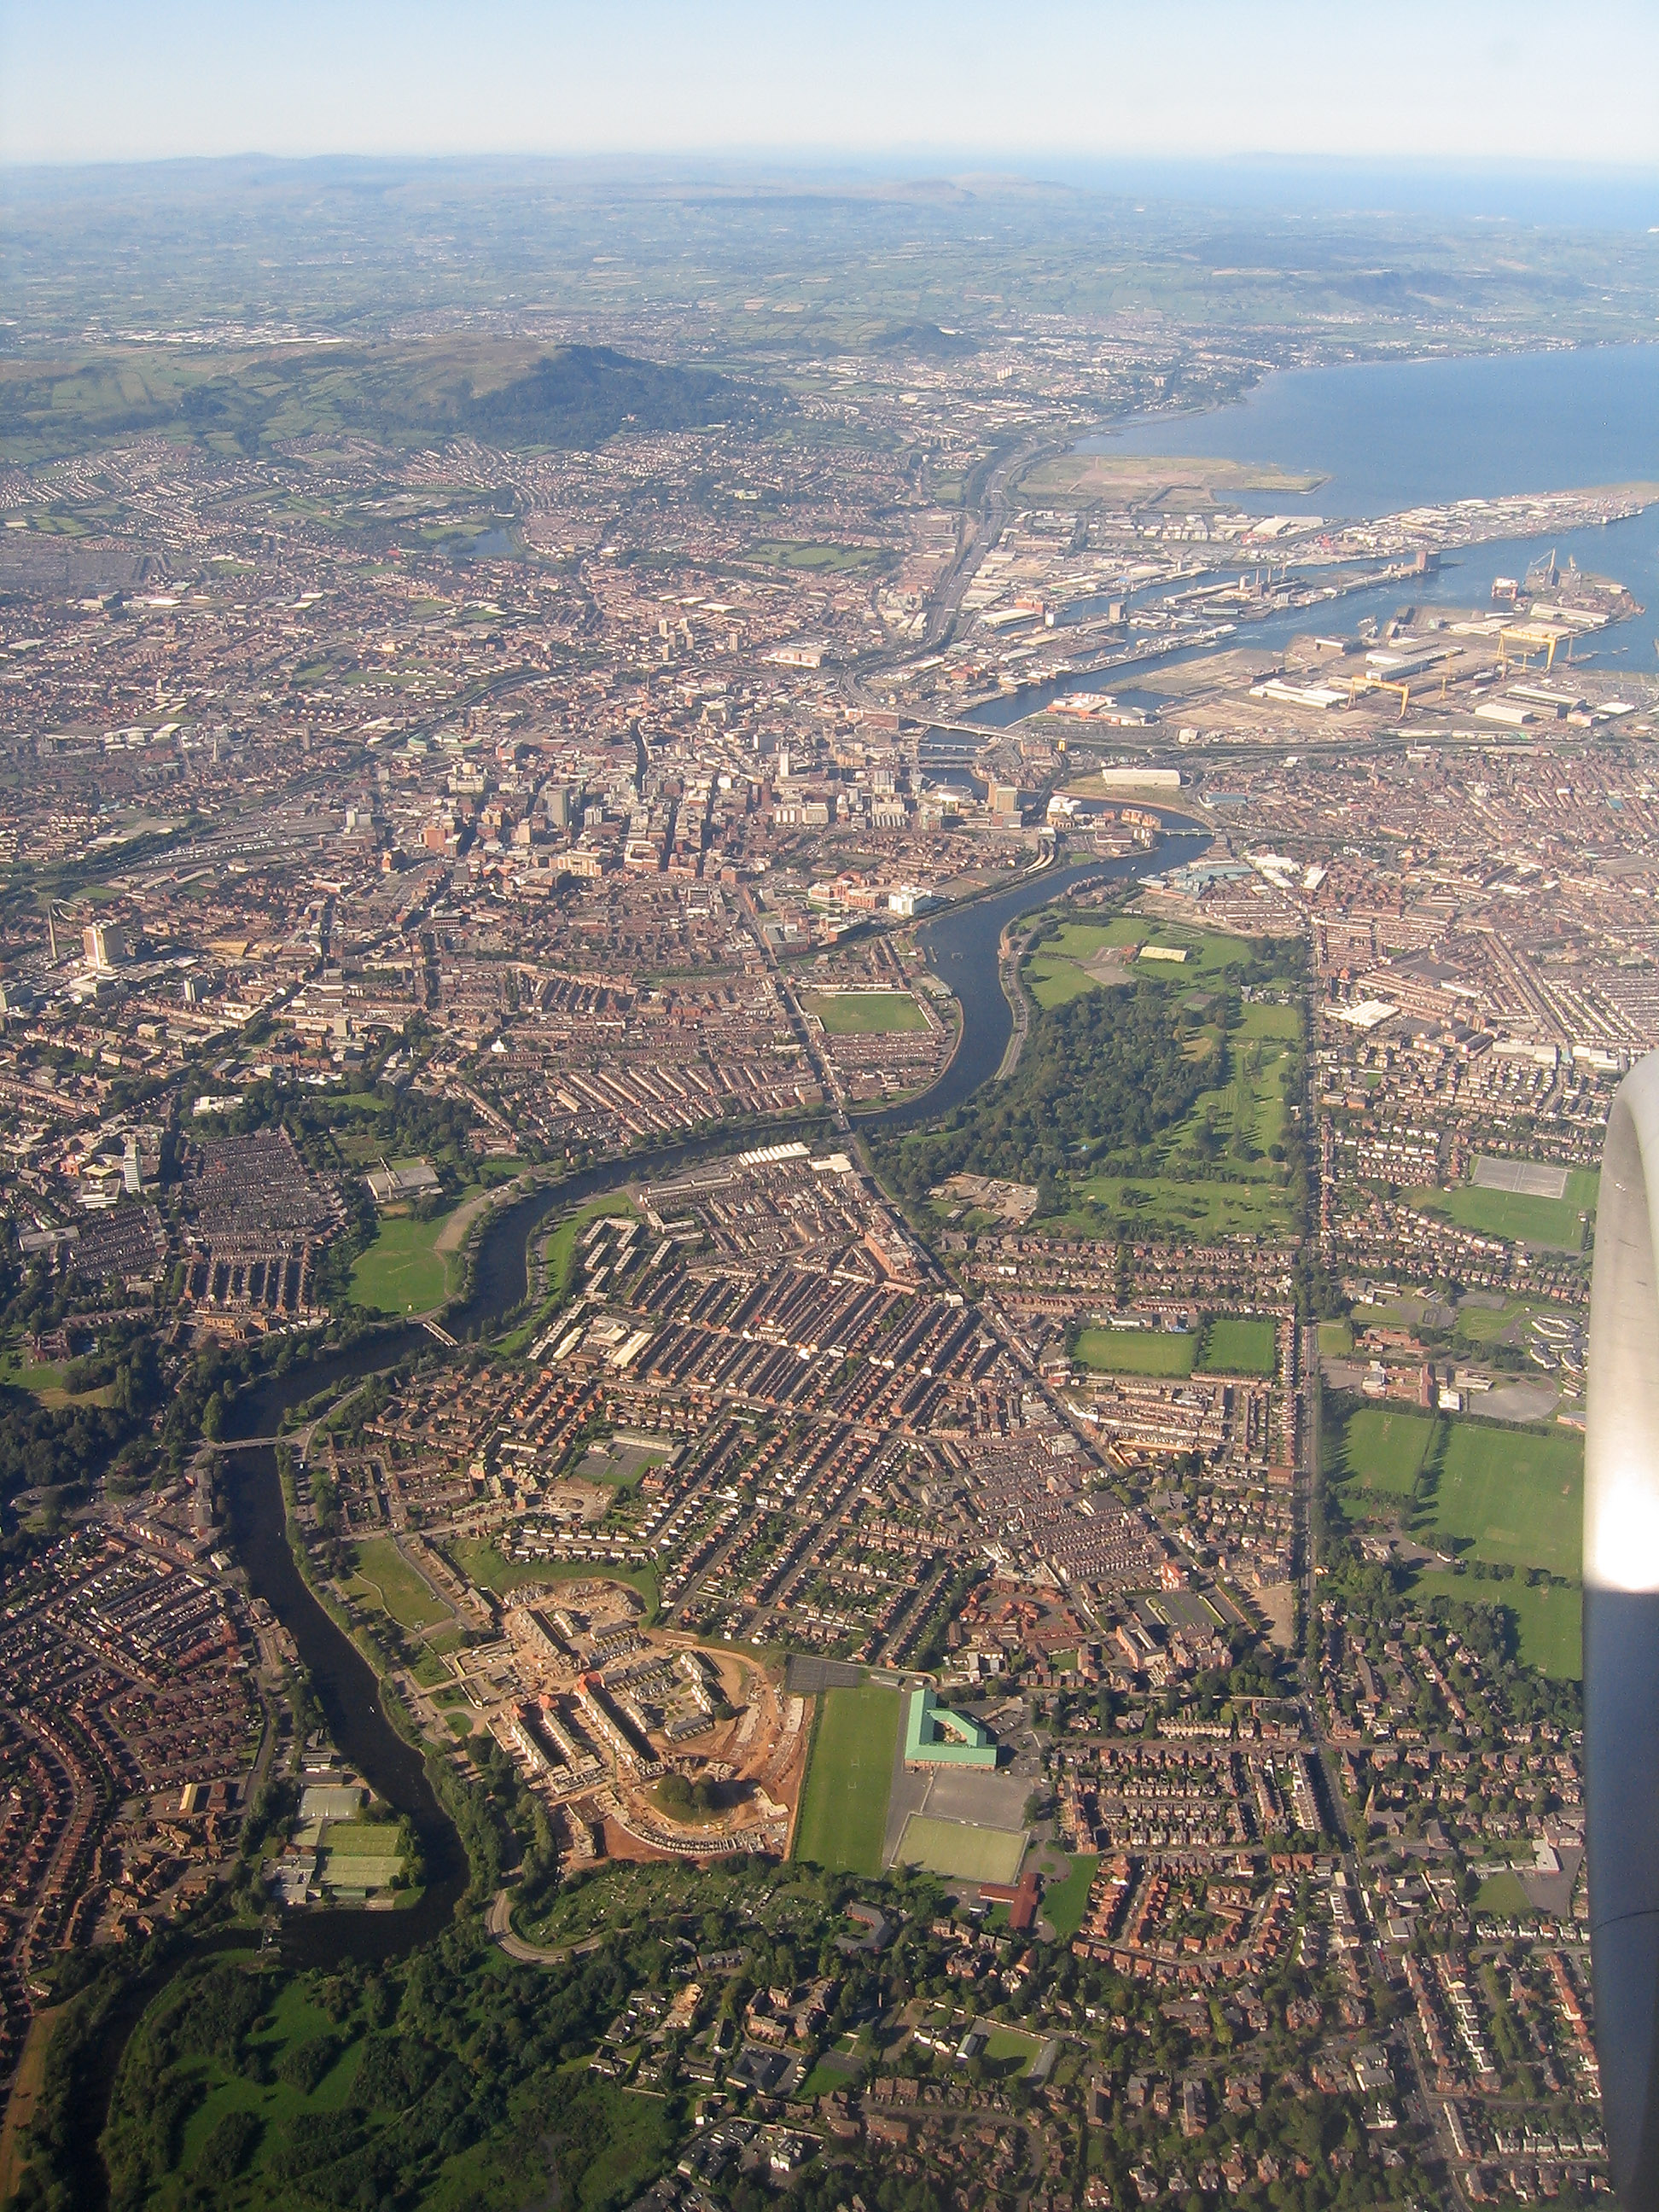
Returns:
point(1520, 1217)
point(960, 1850)
point(865, 1013)
point(1240, 1346)
point(1383, 1450)
point(1137, 1350)
point(1514, 1497)
point(843, 1814)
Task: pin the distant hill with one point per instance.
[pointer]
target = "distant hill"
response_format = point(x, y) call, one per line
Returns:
point(926, 340)
point(575, 396)
point(582, 395)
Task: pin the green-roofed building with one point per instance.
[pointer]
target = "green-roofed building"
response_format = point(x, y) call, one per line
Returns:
point(935, 1736)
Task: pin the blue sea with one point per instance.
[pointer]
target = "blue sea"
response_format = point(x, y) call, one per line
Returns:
point(1389, 435)
point(1386, 436)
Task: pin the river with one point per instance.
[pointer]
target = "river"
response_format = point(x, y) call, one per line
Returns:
point(345, 1683)
point(1385, 437)
point(961, 948)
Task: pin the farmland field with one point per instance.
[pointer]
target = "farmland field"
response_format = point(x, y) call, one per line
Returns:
point(1137, 1350)
point(843, 1815)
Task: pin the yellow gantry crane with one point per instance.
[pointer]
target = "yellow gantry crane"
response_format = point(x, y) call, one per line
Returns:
point(1531, 637)
point(1358, 684)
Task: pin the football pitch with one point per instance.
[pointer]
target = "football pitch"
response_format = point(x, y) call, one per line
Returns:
point(1384, 1450)
point(1240, 1344)
point(1513, 1498)
point(961, 1851)
point(843, 1815)
point(1521, 1216)
point(865, 1013)
point(1138, 1350)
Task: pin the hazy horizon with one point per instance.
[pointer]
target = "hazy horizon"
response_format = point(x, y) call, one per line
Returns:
point(1069, 85)
point(1568, 193)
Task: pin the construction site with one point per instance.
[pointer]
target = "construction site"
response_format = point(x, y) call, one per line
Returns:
point(643, 1743)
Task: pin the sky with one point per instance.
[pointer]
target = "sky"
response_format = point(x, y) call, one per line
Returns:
point(1020, 81)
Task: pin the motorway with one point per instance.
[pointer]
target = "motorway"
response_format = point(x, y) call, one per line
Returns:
point(979, 533)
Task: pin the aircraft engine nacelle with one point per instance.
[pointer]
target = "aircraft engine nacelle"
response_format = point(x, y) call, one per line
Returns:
point(1621, 1637)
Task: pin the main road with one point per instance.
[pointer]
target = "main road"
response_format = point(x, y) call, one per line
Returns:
point(980, 532)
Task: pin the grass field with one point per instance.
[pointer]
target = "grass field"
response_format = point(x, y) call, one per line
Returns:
point(1502, 1895)
point(292, 2020)
point(865, 1013)
point(401, 1272)
point(791, 553)
point(26, 2084)
point(44, 1379)
point(1384, 1450)
point(1216, 1206)
point(1057, 970)
point(1484, 1325)
point(1553, 1222)
point(1513, 1498)
point(1124, 479)
point(623, 1892)
point(1547, 1621)
point(1011, 2051)
point(1281, 1023)
point(481, 1563)
point(1235, 1346)
point(843, 1815)
point(631, 2142)
point(1064, 1903)
point(832, 2072)
point(561, 1263)
point(1137, 1350)
point(1214, 1175)
point(960, 1850)
point(1335, 1339)
point(562, 1244)
point(385, 1578)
